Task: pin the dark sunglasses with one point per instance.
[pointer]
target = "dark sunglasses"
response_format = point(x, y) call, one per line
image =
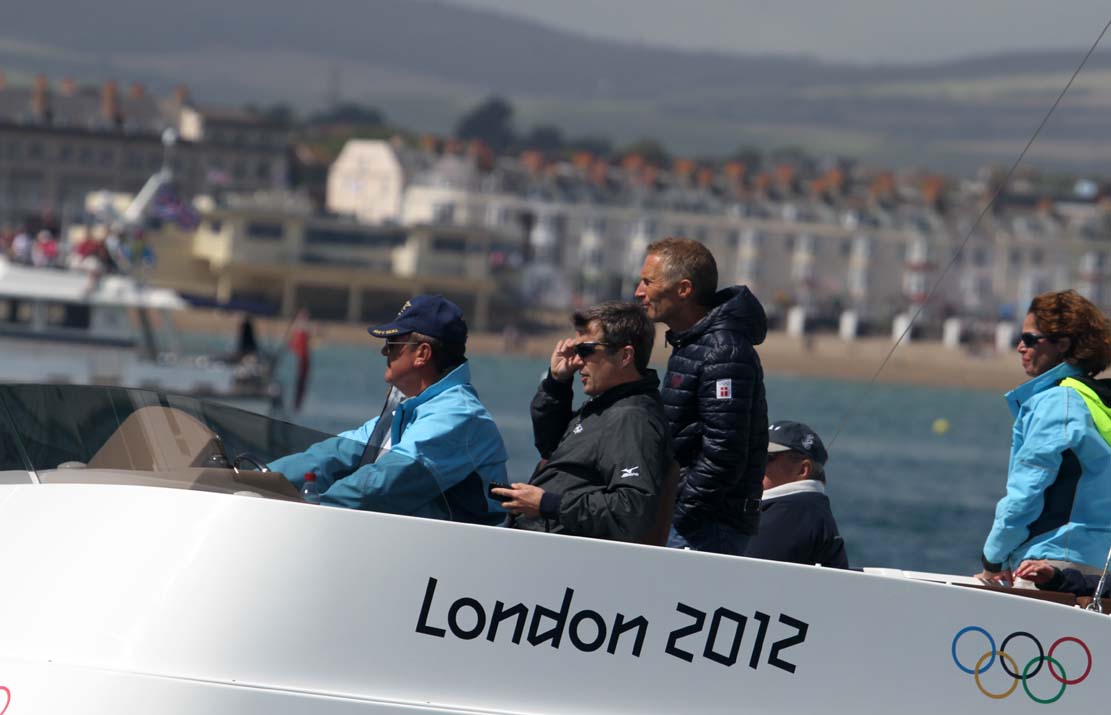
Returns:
point(585, 350)
point(1029, 340)
point(391, 344)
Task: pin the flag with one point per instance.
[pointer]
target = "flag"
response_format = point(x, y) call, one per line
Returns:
point(168, 206)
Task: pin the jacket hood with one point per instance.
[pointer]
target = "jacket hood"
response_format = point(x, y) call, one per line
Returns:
point(735, 309)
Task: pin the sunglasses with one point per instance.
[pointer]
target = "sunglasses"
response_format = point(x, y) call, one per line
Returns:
point(391, 344)
point(1029, 340)
point(585, 350)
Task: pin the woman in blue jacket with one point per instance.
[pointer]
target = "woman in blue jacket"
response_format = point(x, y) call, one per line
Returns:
point(1058, 501)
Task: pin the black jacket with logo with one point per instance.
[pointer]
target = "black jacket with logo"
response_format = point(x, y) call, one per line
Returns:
point(604, 463)
point(714, 397)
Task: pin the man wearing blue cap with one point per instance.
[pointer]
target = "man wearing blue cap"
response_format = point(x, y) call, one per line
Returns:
point(796, 522)
point(436, 452)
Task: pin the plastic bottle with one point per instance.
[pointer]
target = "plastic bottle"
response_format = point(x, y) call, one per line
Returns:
point(309, 492)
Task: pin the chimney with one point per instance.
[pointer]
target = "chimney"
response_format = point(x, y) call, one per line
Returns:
point(137, 90)
point(932, 188)
point(181, 94)
point(683, 167)
point(533, 161)
point(735, 170)
point(599, 172)
point(69, 87)
point(429, 143)
point(883, 185)
point(785, 176)
point(40, 97)
point(582, 160)
point(632, 163)
point(110, 102)
point(481, 155)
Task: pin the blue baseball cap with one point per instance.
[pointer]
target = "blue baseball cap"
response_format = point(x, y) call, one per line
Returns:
point(431, 315)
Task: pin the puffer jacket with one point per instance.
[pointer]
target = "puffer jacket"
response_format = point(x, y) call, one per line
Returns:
point(1058, 500)
point(714, 398)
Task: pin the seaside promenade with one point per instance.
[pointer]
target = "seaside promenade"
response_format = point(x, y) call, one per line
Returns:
point(826, 356)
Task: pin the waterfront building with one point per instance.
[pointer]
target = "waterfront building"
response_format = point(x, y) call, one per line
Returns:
point(271, 252)
point(60, 142)
point(836, 242)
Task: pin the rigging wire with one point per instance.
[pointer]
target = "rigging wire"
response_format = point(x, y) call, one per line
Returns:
point(968, 235)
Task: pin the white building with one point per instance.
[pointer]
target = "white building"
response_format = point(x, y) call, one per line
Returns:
point(587, 226)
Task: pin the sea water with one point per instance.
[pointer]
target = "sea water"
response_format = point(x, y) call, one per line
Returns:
point(906, 495)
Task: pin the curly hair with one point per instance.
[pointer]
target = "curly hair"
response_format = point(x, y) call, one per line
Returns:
point(1069, 314)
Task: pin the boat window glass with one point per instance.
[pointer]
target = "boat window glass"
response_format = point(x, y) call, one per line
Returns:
point(68, 315)
point(265, 231)
point(113, 435)
point(15, 311)
point(87, 434)
point(11, 458)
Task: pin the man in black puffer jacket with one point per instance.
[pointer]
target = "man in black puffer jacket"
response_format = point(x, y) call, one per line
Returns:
point(713, 394)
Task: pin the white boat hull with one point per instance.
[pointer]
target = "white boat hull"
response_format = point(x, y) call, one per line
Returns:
point(118, 599)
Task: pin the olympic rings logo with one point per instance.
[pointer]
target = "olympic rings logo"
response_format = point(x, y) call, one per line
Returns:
point(1032, 668)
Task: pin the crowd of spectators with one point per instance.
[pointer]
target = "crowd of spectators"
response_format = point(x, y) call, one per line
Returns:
point(112, 252)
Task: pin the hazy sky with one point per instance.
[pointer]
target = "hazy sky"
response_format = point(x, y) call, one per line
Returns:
point(850, 30)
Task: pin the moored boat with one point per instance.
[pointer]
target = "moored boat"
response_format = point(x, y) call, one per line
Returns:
point(70, 326)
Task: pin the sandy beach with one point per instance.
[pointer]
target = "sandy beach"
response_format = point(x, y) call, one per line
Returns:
point(827, 356)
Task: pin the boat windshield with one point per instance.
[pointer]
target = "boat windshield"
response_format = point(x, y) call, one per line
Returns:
point(114, 435)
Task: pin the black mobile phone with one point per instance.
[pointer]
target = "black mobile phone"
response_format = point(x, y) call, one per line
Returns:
point(498, 497)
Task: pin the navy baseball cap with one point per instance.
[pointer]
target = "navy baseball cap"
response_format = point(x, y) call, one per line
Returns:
point(788, 436)
point(431, 315)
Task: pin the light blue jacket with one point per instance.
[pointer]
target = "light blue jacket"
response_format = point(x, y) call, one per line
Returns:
point(1058, 501)
point(445, 450)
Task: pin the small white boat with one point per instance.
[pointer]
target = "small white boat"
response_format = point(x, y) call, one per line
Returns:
point(67, 326)
point(143, 573)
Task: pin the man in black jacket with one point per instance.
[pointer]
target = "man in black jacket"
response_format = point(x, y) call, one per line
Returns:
point(796, 523)
point(713, 394)
point(604, 464)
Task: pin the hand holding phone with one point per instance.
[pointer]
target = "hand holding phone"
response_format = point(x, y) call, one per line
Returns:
point(498, 497)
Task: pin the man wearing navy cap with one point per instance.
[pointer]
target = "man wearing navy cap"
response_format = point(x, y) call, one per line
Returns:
point(796, 522)
point(432, 454)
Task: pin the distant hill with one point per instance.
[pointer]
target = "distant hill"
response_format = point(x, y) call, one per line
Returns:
point(423, 63)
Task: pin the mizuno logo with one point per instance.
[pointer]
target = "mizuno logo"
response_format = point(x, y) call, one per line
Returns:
point(630, 472)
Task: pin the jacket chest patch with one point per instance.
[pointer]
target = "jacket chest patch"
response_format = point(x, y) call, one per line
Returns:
point(578, 428)
point(724, 390)
point(676, 379)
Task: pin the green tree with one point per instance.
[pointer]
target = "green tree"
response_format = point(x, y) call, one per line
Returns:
point(491, 122)
point(750, 156)
point(598, 146)
point(544, 137)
